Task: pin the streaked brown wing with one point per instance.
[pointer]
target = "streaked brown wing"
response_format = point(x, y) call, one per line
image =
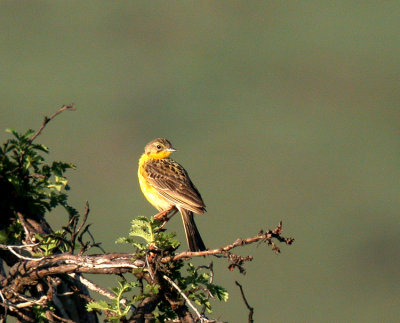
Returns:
point(172, 181)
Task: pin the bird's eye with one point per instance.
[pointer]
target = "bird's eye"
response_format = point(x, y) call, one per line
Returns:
point(158, 146)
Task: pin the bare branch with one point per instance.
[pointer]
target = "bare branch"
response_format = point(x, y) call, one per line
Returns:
point(16, 307)
point(61, 319)
point(31, 302)
point(92, 286)
point(260, 237)
point(85, 216)
point(251, 309)
point(185, 297)
point(143, 312)
point(29, 272)
point(48, 119)
point(11, 249)
point(25, 226)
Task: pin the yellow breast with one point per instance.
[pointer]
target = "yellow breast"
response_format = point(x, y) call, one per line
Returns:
point(149, 192)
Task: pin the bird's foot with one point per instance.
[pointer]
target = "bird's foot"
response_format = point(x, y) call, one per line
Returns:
point(164, 214)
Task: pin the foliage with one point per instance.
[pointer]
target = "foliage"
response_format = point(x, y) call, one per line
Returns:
point(38, 186)
point(196, 284)
point(31, 187)
point(149, 230)
point(160, 282)
point(51, 243)
point(119, 307)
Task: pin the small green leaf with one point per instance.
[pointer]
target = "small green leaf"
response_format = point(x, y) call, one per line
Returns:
point(100, 305)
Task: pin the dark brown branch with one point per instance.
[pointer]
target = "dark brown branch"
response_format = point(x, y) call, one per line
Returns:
point(48, 119)
point(75, 231)
point(251, 309)
point(59, 318)
point(85, 216)
point(143, 312)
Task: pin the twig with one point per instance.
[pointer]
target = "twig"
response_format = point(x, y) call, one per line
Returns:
point(4, 302)
point(210, 267)
point(143, 311)
point(85, 216)
point(251, 309)
point(48, 119)
point(74, 232)
point(92, 286)
point(2, 246)
point(29, 303)
point(201, 318)
point(148, 267)
point(61, 319)
point(84, 246)
point(25, 226)
point(18, 313)
point(261, 237)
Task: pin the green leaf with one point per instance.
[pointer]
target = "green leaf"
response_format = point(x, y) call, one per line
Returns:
point(141, 227)
point(28, 133)
point(100, 305)
point(219, 292)
point(41, 147)
point(13, 132)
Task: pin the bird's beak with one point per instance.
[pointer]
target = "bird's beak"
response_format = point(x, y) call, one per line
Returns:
point(170, 149)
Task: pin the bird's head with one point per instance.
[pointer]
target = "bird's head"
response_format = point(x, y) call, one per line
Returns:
point(159, 148)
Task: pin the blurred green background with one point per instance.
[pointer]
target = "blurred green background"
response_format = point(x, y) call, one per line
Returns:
point(280, 110)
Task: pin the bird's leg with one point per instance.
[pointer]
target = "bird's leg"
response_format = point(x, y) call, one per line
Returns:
point(160, 216)
point(166, 219)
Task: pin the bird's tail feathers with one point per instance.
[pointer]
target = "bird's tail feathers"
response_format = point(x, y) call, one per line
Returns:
point(193, 238)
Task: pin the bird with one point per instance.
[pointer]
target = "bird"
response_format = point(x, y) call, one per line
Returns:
point(168, 187)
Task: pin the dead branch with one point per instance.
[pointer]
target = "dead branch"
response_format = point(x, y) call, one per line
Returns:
point(27, 273)
point(260, 237)
point(169, 280)
point(251, 309)
point(93, 286)
point(48, 119)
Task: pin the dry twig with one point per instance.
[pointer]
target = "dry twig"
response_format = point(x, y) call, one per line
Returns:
point(251, 309)
point(48, 119)
point(201, 318)
point(92, 286)
point(236, 260)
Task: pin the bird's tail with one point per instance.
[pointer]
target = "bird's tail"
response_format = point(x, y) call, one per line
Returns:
point(193, 238)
